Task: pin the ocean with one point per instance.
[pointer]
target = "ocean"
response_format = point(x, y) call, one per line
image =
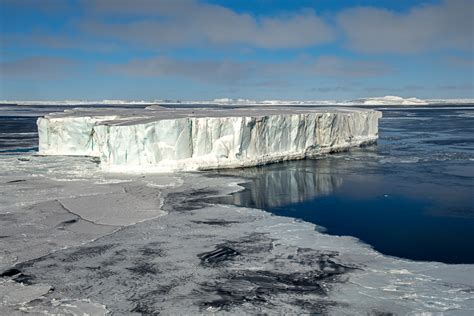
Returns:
point(409, 196)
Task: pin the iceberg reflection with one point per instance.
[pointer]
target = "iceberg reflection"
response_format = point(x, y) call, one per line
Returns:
point(282, 184)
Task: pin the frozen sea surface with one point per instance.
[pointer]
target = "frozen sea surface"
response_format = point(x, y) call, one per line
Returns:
point(75, 240)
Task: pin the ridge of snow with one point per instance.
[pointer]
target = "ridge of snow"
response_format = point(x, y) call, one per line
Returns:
point(370, 101)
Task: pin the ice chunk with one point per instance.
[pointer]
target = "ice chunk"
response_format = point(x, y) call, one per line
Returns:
point(162, 139)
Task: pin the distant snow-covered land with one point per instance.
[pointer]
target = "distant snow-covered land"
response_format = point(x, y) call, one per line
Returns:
point(369, 101)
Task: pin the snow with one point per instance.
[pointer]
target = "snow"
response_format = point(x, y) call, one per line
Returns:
point(160, 139)
point(392, 100)
point(284, 265)
point(368, 101)
point(95, 237)
point(282, 260)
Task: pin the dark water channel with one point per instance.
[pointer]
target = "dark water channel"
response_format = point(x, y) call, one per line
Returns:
point(410, 196)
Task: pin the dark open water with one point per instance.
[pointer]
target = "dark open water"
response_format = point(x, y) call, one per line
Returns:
point(410, 196)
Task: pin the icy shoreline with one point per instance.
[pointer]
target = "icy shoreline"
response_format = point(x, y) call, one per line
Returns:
point(158, 139)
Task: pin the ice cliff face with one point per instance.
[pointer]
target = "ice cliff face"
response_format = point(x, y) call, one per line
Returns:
point(161, 140)
point(69, 135)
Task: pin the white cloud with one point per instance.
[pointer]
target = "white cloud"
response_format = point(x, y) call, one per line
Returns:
point(464, 62)
point(334, 89)
point(244, 73)
point(449, 25)
point(160, 24)
point(206, 71)
point(339, 67)
point(456, 87)
point(37, 67)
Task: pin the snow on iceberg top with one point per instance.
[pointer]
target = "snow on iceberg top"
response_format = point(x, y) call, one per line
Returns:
point(157, 113)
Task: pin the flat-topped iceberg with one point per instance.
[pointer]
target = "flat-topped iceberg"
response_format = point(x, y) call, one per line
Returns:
point(161, 139)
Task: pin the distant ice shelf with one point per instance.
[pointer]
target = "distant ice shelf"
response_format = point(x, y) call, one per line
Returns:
point(369, 101)
point(158, 139)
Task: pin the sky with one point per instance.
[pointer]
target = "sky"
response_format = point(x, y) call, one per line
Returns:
point(261, 49)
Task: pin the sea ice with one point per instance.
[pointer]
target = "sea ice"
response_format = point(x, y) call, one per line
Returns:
point(238, 260)
point(200, 257)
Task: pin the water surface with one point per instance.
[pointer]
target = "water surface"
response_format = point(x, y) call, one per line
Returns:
point(410, 196)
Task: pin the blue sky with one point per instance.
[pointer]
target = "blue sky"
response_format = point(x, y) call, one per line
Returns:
point(262, 49)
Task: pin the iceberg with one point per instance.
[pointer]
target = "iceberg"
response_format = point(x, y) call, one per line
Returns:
point(159, 139)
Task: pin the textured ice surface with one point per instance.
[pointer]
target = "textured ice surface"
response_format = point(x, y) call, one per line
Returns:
point(161, 139)
point(198, 258)
point(75, 240)
point(47, 203)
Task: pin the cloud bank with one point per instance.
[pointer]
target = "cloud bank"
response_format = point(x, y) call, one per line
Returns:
point(160, 24)
point(210, 46)
point(37, 67)
point(449, 25)
point(231, 72)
